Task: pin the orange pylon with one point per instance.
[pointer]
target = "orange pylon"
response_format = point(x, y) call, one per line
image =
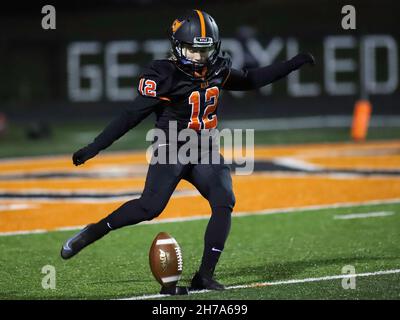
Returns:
point(362, 114)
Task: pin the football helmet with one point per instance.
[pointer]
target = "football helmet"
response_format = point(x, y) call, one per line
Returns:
point(195, 43)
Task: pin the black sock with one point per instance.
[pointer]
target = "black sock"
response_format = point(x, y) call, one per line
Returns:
point(214, 239)
point(97, 230)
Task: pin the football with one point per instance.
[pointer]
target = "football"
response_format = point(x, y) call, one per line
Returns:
point(166, 260)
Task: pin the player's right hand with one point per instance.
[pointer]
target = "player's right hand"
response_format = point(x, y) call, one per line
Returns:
point(82, 155)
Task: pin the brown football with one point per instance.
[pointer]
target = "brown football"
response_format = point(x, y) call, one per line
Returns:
point(166, 260)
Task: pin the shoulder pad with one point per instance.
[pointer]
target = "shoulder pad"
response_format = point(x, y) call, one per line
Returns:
point(155, 79)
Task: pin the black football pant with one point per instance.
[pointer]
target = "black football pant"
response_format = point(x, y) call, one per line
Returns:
point(214, 183)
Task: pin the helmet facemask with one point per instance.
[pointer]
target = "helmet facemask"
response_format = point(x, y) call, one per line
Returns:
point(198, 57)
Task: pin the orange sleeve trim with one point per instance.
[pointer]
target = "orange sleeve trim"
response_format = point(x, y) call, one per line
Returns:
point(164, 98)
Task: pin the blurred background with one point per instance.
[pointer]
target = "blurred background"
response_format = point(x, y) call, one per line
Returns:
point(314, 157)
point(60, 87)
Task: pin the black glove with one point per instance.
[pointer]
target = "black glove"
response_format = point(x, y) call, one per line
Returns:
point(302, 58)
point(84, 154)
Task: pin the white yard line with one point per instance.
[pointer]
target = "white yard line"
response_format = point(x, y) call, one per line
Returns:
point(363, 215)
point(235, 214)
point(17, 233)
point(18, 206)
point(275, 283)
point(294, 163)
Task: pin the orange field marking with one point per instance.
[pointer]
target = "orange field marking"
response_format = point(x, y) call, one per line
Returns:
point(327, 149)
point(128, 159)
point(260, 191)
point(117, 185)
point(277, 192)
point(365, 162)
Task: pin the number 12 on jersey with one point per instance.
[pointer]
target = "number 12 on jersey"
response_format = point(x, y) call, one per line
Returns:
point(196, 119)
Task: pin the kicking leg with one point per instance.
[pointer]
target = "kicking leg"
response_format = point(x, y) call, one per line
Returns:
point(161, 182)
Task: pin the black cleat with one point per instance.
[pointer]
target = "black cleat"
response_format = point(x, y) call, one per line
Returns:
point(175, 290)
point(75, 244)
point(200, 282)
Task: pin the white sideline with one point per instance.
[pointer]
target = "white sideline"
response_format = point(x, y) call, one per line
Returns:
point(363, 215)
point(235, 214)
point(294, 163)
point(274, 283)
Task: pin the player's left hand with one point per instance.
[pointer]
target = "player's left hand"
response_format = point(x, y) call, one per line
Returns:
point(303, 58)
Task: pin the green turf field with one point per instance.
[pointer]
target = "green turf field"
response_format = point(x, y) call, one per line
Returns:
point(263, 248)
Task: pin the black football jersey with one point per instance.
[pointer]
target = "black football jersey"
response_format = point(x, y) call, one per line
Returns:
point(192, 102)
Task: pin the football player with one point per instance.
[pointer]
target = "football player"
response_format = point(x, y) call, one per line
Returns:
point(184, 88)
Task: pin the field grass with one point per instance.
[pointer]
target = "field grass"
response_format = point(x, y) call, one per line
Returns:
point(298, 245)
point(66, 138)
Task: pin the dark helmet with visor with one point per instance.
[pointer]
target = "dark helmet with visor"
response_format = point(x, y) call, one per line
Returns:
point(195, 43)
